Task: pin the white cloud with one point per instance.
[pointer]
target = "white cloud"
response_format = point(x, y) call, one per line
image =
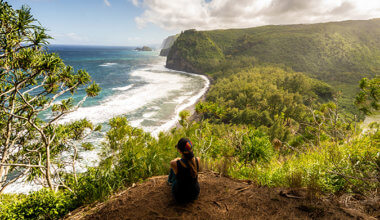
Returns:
point(199, 14)
point(107, 3)
point(135, 2)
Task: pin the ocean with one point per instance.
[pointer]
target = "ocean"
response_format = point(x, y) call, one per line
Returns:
point(135, 84)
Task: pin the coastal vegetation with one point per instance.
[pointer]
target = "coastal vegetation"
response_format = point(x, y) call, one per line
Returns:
point(266, 97)
point(276, 123)
point(338, 53)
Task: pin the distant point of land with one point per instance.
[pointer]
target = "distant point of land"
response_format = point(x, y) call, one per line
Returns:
point(144, 48)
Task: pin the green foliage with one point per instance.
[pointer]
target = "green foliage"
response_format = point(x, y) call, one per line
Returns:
point(368, 98)
point(93, 90)
point(349, 167)
point(347, 92)
point(95, 184)
point(196, 51)
point(128, 155)
point(184, 116)
point(256, 147)
point(87, 146)
point(43, 204)
point(264, 96)
point(327, 123)
point(344, 51)
point(8, 203)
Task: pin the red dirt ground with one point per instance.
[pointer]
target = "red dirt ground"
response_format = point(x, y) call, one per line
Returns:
point(220, 198)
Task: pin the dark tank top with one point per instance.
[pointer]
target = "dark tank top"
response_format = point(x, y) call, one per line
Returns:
point(186, 187)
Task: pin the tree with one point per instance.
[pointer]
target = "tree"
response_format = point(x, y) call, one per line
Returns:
point(33, 81)
point(328, 123)
point(184, 118)
point(368, 98)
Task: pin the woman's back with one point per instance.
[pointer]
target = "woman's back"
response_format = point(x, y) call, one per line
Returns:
point(186, 187)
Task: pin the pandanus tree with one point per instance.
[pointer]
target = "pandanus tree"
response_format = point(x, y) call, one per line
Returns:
point(32, 82)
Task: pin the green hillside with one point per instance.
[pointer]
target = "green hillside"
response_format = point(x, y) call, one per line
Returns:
point(344, 51)
point(267, 97)
point(340, 53)
point(194, 52)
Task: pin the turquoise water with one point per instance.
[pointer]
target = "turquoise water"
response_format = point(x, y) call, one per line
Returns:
point(110, 67)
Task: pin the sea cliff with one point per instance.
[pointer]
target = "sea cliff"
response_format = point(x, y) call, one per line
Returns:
point(167, 44)
point(194, 52)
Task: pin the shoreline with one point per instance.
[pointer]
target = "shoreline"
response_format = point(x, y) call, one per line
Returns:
point(191, 108)
point(193, 115)
point(174, 122)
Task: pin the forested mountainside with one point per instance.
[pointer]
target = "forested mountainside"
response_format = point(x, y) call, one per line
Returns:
point(344, 51)
point(339, 53)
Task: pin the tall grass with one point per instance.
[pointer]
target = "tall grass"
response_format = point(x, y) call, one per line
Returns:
point(350, 167)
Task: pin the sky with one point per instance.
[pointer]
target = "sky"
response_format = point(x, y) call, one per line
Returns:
point(148, 22)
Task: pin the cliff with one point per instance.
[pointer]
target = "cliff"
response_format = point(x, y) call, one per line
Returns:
point(195, 52)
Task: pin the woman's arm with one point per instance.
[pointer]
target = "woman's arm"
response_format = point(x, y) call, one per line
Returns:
point(199, 164)
point(173, 165)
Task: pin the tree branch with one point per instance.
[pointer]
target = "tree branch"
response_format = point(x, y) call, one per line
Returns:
point(13, 180)
point(20, 165)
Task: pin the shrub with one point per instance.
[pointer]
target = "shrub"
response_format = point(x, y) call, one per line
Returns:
point(43, 204)
point(256, 147)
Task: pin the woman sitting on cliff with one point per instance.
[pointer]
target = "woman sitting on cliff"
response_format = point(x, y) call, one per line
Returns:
point(184, 173)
